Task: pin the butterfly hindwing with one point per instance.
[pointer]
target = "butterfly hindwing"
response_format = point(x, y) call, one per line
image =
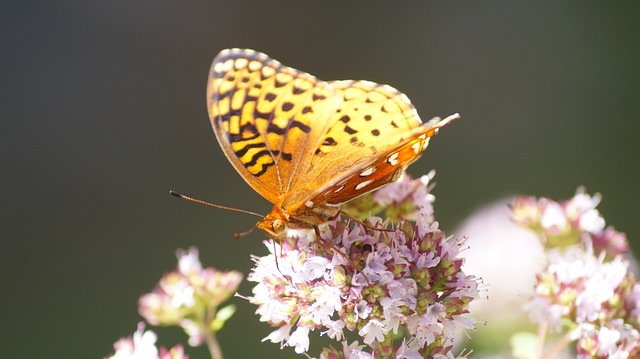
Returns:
point(378, 172)
point(372, 124)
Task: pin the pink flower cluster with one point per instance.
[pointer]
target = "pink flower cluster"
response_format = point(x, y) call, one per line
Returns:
point(142, 345)
point(586, 287)
point(378, 283)
point(190, 296)
point(561, 224)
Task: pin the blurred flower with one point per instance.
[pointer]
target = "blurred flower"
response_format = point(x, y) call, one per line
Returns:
point(190, 297)
point(585, 287)
point(142, 345)
point(376, 283)
point(507, 258)
point(561, 224)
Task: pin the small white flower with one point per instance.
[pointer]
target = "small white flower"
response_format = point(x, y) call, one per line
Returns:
point(553, 218)
point(142, 345)
point(363, 309)
point(372, 331)
point(183, 295)
point(314, 268)
point(188, 261)
point(335, 329)
point(299, 340)
point(408, 351)
point(581, 203)
point(327, 302)
point(354, 351)
point(608, 340)
point(279, 335)
point(591, 222)
point(194, 331)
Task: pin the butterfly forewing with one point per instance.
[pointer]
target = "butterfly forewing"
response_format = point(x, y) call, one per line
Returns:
point(267, 118)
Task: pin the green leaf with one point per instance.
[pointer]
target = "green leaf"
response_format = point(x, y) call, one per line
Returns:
point(222, 316)
point(524, 345)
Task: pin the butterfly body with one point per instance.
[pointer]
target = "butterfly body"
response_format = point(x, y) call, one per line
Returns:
point(307, 145)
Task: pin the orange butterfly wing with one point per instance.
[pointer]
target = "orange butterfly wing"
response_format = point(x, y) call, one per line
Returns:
point(267, 118)
point(305, 144)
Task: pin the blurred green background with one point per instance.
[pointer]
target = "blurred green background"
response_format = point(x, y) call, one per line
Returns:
point(104, 111)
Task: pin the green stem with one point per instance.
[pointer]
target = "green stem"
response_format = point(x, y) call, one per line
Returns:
point(210, 337)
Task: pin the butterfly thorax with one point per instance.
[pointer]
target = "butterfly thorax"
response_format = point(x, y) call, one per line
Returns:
point(305, 216)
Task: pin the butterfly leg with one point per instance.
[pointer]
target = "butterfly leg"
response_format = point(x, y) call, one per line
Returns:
point(341, 212)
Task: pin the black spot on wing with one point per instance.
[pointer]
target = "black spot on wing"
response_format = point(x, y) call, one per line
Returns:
point(286, 156)
point(287, 106)
point(329, 141)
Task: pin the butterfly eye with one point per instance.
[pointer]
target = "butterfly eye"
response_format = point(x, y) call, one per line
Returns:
point(278, 226)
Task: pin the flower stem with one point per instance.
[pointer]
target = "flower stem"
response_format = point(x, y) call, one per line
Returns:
point(557, 347)
point(542, 333)
point(214, 346)
point(210, 335)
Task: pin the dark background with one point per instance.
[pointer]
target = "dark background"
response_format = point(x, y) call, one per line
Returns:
point(103, 111)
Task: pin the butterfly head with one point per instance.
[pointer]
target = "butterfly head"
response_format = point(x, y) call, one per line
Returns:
point(274, 224)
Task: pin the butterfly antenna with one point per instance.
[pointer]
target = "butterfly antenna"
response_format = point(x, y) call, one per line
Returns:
point(242, 234)
point(176, 194)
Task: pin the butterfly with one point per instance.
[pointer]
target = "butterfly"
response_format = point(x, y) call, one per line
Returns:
point(307, 145)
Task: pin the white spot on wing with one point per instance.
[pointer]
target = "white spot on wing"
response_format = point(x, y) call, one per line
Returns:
point(361, 185)
point(254, 65)
point(426, 143)
point(241, 63)
point(309, 204)
point(393, 159)
point(268, 71)
point(416, 147)
point(218, 67)
point(339, 189)
point(405, 98)
point(389, 88)
point(227, 65)
point(367, 172)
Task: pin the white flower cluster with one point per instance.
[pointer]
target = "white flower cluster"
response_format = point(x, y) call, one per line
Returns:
point(586, 286)
point(371, 282)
